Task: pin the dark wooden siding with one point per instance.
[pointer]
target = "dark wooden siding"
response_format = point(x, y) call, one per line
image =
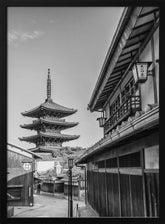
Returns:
point(26, 196)
point(96, 191)
point(119, 185)
point(19, 177)
point(125, 195)
point(137, 195)
point(102, 194)
point(152, 194)
point(113, 194)
point(107, 196)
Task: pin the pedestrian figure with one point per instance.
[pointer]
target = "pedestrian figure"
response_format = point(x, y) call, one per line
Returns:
point(39, 188)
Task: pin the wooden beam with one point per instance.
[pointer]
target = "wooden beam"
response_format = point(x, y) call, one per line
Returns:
point(147, 13)
point(131, 52)
point(121, 67)
point(139, 34)
point(125, 59)
point(144, 24)
point(131, 45)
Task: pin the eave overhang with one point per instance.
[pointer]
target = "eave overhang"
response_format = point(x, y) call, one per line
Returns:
point(25, 150)
point(135, 26)
point(142, 123)
point(55, 136)
point(54, 123)
point(49, 106)
point(45, 149)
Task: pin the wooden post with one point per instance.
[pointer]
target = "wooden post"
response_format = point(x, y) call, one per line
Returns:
point(130, 195)
point(153, 71)
point(119, 186)
point(143, 181)
point(70, 201)
point(54, 187)
point(32, 198)
point(85, 176)
point(106, 190)
point(68, 198)
point(79, 189)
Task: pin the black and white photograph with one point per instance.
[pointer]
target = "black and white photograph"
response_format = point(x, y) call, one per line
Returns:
point(83, 112)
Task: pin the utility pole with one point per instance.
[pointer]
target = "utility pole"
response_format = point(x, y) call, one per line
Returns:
point(70, 200)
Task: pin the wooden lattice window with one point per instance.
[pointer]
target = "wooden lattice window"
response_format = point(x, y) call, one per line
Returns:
point(111, 163)
point(115, 105)
point(129, 90)
point(130, 160)
point(101, 164)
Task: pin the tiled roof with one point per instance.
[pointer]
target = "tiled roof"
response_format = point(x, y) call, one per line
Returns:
point(54, 135)
point(54, 122)
point(49, 105)
point(45, 149)
point(46, 156)
point(22, 149)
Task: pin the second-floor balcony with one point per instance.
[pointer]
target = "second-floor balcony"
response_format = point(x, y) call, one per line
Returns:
point(127, 108)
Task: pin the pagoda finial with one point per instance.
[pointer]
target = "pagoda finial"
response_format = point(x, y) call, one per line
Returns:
point(48, 86)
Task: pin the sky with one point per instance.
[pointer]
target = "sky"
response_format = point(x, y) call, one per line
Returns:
point(73, 43)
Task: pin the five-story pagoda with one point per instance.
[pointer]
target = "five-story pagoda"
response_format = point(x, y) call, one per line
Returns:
point(49, 124)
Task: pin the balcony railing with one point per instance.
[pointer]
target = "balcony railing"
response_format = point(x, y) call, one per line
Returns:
point(128, 108)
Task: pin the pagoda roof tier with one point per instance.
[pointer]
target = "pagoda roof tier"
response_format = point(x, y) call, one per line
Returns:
point(54, 123)
point(45, 149)
point(53, 136)
point(49, 107)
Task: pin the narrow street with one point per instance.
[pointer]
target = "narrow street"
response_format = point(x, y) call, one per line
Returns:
point(47, 205)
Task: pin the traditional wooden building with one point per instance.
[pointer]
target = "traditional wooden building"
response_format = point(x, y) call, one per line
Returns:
point(20, 169)
point(123, 167)
point(49, 124)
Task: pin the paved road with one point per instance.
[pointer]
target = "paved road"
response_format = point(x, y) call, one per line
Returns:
point(46, 206)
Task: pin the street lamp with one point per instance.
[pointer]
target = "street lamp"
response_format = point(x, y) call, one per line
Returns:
point(70, 201)
point(70, 162)
point(140, 71)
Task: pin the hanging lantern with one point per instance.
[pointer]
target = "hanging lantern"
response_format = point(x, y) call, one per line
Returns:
point(140, 70)
point(26, 164)
point(101, 121)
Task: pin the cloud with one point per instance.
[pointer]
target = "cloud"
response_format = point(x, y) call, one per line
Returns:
point(20, 36)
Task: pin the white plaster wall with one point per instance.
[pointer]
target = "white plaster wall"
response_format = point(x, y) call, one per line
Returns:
point(147, 89)
point(152, 157)
point(107, 111)
point(147, 94)
point(44, 165)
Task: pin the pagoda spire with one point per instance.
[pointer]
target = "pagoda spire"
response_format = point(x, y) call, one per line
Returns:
point(48, 86)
